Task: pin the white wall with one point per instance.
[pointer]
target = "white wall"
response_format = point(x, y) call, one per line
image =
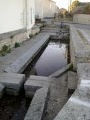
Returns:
point(11, 15)
point(30, 13)
point(39, 8)
point(16, 14)
point(45, 8)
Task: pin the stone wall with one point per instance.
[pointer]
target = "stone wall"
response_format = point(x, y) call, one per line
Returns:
point(81, 18)
point(79, 48)
point(11, 38)
point(18, 36)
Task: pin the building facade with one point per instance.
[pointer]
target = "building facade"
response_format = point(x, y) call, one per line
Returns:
point(45, 8)
point(16, 19)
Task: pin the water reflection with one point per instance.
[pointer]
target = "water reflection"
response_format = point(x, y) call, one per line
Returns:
point(53, 58)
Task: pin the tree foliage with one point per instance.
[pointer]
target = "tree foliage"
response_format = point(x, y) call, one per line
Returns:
point(74, 5)
point(87, 9)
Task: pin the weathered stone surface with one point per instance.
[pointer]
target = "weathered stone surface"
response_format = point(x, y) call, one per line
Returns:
point(13, 82)
point(78, 106)
point(38, 105)
point(20, 64)
point(34, 83)
point(61, 71)
point(1, 90)
point(79, 50)
point(83, 70)
point(72, 82)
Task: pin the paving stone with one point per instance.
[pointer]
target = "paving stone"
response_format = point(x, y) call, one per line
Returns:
point(72, 82)
point(2, 87)
point(21, 63)
point(38, 105)
point(13, 82)
point(34, 83)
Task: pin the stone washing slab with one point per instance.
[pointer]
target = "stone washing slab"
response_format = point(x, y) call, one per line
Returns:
point(72, 82)
point(38, 105)
point(13, 82)
point(34, 83)
point(21, 63)
point(2, 87)
point(61, 71)
point(78, 106)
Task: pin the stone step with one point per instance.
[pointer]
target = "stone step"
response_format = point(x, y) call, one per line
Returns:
point(72, 82)
point(21, 63)
point(13, 82)
point(38, 105)
point(2, 87)
point(34, 83)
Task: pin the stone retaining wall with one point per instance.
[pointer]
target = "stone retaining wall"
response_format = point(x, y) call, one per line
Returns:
point(79, 50)
point(18, 36)
point(81, 18)
point(12, 37)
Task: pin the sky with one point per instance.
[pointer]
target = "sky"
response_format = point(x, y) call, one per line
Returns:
point(65, 3)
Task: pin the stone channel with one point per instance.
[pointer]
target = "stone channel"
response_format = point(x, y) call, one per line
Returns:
point(12, 81)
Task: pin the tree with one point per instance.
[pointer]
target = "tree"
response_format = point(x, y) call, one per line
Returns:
point(87, 9)
point(74, 5)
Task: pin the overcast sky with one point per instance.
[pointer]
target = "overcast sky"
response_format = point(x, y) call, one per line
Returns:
point(65, 3)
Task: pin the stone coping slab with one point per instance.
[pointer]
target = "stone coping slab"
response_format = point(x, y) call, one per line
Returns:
point(13, 82)
point(61, 71)
point(38, 105)
point(20, 64)
point(78, 106)
point(34, 83)
point(2, 87)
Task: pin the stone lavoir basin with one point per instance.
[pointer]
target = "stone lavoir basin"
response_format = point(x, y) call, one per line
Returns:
point(51, 59)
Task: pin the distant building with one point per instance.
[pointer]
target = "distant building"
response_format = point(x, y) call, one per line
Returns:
point(45, 8)
point(16, 20)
